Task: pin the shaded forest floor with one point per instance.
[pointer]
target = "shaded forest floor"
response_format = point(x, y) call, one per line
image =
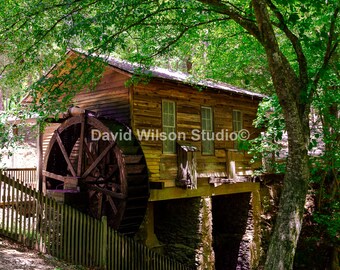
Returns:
point(314, 251)
point(14, 256)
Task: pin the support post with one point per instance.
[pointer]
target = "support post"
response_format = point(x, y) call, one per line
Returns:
point(151, 238)
point(256, 244)
point(231, 166)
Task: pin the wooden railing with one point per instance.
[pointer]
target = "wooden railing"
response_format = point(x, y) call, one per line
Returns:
point(39, 222)
point(27, 176)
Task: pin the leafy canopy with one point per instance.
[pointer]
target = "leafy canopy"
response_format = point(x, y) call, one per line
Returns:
point(34, 35)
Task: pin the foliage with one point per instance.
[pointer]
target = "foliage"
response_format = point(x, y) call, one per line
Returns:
point(168, 33)
point(237, 41)
point(11, 135)
point(325, 168)
point(269, 144)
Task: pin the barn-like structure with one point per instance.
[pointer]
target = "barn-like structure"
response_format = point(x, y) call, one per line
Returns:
point(120, 150)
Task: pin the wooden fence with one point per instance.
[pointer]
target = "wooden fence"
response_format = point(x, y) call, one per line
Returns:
point(39, 222)
point(26, 176)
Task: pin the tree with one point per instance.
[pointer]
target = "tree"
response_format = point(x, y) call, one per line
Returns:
point(297, 40)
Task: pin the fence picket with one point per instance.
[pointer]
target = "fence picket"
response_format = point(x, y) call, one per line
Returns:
point(22, 175)
point(87, 240)
point(62, 231)
point(26, 205)
point(72, 236)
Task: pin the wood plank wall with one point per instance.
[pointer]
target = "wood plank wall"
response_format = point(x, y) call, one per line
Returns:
point(147, 113)
point(47, 135)
point(110, 99)
point(141, 108)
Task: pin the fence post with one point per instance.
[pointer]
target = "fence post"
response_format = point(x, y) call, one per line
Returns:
point(103, 246)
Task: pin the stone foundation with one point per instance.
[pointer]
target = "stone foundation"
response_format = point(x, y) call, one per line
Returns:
point(206, 233)
point(232, 231)
point(177, 227)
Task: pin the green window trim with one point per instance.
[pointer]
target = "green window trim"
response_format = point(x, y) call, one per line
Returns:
point(169, 125)
point(207, 123)
point(237, 123)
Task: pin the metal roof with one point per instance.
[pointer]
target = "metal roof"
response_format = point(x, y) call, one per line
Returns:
point(162, 73)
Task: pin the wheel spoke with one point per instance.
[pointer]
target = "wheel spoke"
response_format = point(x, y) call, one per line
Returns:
point(95, 181)
point(113, 206)
point(96, 162)
point(63, 150)
point(88, 152)
point(116, 186)
point(91, 193)
point(81, 146)
point(100, 204)
point(105, 191)
point(53, 175)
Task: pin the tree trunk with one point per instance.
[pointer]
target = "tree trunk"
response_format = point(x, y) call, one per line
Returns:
point(289, 88)
point(291, 208)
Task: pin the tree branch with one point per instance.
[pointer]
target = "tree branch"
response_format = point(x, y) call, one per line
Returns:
point(180, 35)
point(136, 23)
point(29, 16)
point(303, 73)
point(48, 31)
point(234, 14)
point(330, 49)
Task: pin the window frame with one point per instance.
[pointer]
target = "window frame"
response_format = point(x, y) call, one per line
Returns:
point(174, 126)
point(239, 123)
point(212, 146)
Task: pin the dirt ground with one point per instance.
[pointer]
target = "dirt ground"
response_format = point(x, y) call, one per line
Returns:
point(14, 256)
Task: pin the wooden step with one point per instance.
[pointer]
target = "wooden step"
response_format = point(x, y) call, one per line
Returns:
point(132, 218)
point(129, 150)
point(135, 168)
point(132, 159)
point(135, 207)
point(133, 188)
point(140, 179)
point(128, 226)
point(135, 212)
point(135, 191)
point(131, 199)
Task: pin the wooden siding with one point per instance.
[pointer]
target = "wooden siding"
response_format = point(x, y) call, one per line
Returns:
point(46, 137)
point(147, 114)
point(109, 99)
point(141, 107)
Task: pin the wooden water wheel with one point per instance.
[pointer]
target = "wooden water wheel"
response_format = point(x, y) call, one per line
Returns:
point(111, 171)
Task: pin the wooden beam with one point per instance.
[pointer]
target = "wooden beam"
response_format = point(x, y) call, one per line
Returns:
point(112, 194)
point(53, 175)
point(63, 150)
point(81, 145)
point(179, 193)
point(96, 162)
point(88, 152)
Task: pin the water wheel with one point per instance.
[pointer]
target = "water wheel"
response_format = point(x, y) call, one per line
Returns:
point(110, 170)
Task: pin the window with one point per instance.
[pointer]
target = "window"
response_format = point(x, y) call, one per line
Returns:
point(237, 123)
point(207, 131)
point(169, 126)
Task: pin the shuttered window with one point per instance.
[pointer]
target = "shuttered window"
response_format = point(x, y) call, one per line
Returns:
point(169, 126)
point(237, 123)
point(207, 131)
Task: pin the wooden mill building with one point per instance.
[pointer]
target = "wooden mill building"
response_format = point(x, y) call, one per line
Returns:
point(184, 144)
